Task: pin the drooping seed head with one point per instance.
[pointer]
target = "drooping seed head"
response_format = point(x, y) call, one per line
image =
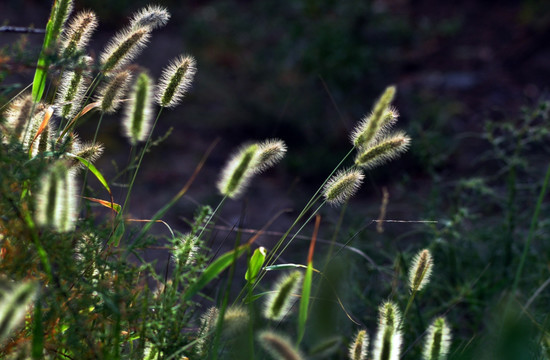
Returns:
point(279, 300)
point(420, 271)
point(152, 16)
point(382, 150)
point(438, 340)
point(138, 112)
point(270, 152)
point(175, 81)
point(359, 347)
point(388, 340)
point(369, 128)
point(111, 94)
point(14, 302)
point(78, 33)
point(123, 48)
point(278, 346)
point(238, 171)
point(57, 199)
point(342, 186)
point(72, 89)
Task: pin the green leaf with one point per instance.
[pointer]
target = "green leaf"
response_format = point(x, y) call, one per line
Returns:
point(255, 265)
point(304, 302)
point(37, 332)
point(94, 170)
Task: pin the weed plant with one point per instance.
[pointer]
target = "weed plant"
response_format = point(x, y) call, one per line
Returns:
point(74, 282)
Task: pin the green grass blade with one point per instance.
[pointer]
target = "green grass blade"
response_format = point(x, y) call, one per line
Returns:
point(304, 302)
point(37, 349)
point(94, 171)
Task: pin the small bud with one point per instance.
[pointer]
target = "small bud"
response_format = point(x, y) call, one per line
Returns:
point(359, 348)
point(270, 152)
point(279, 300)
point(342, 186)
point(152, 16)
point(438, 341)
point(278, 346)
point(175, 80)
point(123, 48)
point(77, 35)
point(72, 89)
point(238, 171)
point(388, 341)
point(137, 117)
point(384, 149)
point(110, 96)
point(420, 271)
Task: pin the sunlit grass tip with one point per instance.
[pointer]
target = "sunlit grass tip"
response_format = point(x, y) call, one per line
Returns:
point(235, 320)
point(278, 346)
point(382, 150)
point(370, 126)
point(420, 270)
point(270, 152)
point(139, 110)
point(153, 16)
point(342, 186)
point(77, 34)
point(111, 95)
point(358, 349)
point(279, 300)
point(57, 198)
point(238, 171)
point(72, 89)
point(14, 302)
point(61, 11)
point(175, 81)
point(88, 151)
point(123, 48)
point(438, 340)
point(387, 345)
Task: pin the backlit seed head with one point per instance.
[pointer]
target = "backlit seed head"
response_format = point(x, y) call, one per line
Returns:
point(78, 33)
point(60, 13)
point(123, 48)
point(175, 81)
point(238, 171)
point(112, 93)
point(279, 300)
point(235, 320)
point(72, 89)
point(438, 340)
point(138, 112)
point(388, 340)
point(382, 150)
point(270, 152)
point(57, 199)
point(152, 16)
point(342, 186)
point(420, 271)
point(207, 326)
point(15, 298)
point(370, 126)
point(359, 347)
point(87, 151)
point(17, 116)
point(279, 346)
point(184, 249)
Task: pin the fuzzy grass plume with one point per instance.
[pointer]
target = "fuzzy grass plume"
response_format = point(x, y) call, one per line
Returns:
point(14, 302)
point(238, 171)
point(123, 48)
point(438, 340)
point(278, 346)
point(388, 340)
point(110, 96)
point(342, 186)
point(175, 81)
point(270, 152)
point(279, 300)
point(152, 16)
point(137, 117)
point(359, 347)
point(78, 33)
point(420, 271)
point(382, 150)
point(72, 89)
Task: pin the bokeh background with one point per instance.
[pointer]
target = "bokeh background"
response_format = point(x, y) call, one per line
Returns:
point(472, 79)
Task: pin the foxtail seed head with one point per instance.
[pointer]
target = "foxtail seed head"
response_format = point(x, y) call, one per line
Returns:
point(382, 150)
point(57, 199)
point(77, 35)
point(111, 95)
point(438, 340)
point(17, 117)
point(238, 171)
point(359, 347)
point(342, 186)
point(14, 302)
point(207, 325)
point(123, 48)
point(420, 271)
point(185, 249)
point(369, 128)
point(152, 16)
point(388, 341)
point(279, 300)
point(175, 80)
point(278, 346)
point(87, 151)
point(137, 117)
point(270, 152)
point(60, 13)
point(72, 89)
point(235, 320)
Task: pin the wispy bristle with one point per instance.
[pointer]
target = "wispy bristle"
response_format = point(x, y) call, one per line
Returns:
point(420, 270)
point(123, 48)
point(438, 340)
point(238, 171)
point(359, 347)
point(207, 325)
point(77, 34)
point(385, 149)
point(270, 152)
point(175, 81)
point(152, 16)
point(342, 186)
point(72, 89)
point(111, 94)
point(279, 300)
point(137, 116)
point(278, 346)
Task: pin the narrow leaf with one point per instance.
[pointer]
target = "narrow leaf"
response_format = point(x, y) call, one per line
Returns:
point(94, 170)
point(113, 206)
point(255, 265)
